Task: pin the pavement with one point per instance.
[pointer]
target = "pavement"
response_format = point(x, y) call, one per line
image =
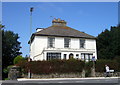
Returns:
point(66, 81)
point(27, 79)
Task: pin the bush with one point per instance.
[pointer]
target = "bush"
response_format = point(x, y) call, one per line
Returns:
point(66, 66)
point(24, 65)
point(53, 66)
point(87, 67)
point(117, 59)
point(18, 59)
point(100, 65)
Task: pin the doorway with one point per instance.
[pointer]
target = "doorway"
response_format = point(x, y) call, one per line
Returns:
point(71, 56)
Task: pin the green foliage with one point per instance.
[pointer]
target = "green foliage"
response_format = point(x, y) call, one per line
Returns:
point(18, 59)
point(100, 65)
point(2, 26)
point(6, 70)
point(117, 59)
point(108, 43)
point(68, 66)
point(87, 67)
point(24, 65)
point(53, 66)
point(10, 48)
point(6, 79)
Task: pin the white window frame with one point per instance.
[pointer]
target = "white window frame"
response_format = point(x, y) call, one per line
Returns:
point(67, 45)
point(51, 55)
point(84, 43)
point(51, 43)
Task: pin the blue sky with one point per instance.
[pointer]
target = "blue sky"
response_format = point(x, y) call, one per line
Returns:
point(89, 17)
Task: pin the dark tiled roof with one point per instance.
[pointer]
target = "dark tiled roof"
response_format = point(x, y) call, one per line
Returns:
point(63, 31)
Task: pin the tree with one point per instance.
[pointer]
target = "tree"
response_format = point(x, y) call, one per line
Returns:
point(108, 43)
point(10, 48)
point(2, 26)
point(18, 59)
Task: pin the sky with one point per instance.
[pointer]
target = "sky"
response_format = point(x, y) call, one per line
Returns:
point(89, 17)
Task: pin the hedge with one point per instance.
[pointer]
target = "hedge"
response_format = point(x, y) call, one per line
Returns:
point(100, 65)
point(53, 66)
point(67, 66)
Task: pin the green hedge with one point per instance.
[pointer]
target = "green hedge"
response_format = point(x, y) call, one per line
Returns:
point(53, 66)
point(100, 65)
point(67, 66)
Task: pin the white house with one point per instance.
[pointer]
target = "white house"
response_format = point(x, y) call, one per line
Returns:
point(61, 42)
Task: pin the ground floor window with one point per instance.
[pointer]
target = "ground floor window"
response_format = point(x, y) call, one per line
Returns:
point(64, 57)
point(51, 56)
point(77, 56)
point(86, 56)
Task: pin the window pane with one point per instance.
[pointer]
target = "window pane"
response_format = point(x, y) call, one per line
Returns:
point(51, 42)
point(82, 56)
point(66, 42)
point(65, 56)
point(82, 43)
point(86, 56)
point(51, 56)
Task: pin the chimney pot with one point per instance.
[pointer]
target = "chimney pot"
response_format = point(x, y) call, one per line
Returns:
point(59, 22)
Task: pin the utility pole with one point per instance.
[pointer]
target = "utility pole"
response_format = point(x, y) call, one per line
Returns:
point(31, 10)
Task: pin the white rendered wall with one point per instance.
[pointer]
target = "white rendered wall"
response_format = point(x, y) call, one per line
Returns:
point(59, 42)
point(75, 43)
point(91, 44)
point(40, 43)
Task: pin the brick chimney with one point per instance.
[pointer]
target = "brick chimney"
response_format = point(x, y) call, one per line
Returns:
point(59, 22)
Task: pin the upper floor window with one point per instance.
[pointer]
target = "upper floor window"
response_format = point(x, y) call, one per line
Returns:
point(51, 42)
point(82, 43)
point(66, 42)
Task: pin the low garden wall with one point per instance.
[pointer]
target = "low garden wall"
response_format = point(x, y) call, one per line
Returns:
point(56, 75)
point(69, 75)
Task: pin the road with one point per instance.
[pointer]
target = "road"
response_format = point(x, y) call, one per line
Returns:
point(68, 81)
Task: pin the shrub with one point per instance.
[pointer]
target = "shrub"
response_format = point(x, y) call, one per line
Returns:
point(53, 66)
point(18, 59)
point(66, 66)
point(87, 67)
point(24, 65)
point(100, 65)
point(117, 59)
